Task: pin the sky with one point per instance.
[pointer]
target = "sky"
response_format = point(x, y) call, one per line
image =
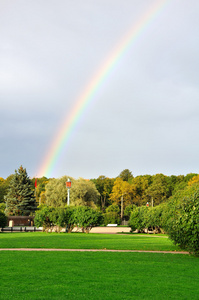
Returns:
point(144, 117)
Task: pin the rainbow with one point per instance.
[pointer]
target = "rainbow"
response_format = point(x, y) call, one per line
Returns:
point(59, 143)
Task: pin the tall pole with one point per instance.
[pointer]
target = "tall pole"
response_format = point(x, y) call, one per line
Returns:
point(68, 199)
point(68, 185)
point(122, 207)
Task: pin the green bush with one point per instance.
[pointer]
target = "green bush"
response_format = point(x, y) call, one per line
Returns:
point(138, 220)
point(43, 218)
point(87, 217)
point(3, 219)
point(69, 218)
point(82, 216)
point(147, 219)
point(154, 218)
point(182, 223)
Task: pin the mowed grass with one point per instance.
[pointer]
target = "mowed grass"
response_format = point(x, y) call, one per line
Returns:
point(86, 241)
point(97, 275)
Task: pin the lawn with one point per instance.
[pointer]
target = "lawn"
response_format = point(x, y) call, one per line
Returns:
point(86, 241)
point(95, 275)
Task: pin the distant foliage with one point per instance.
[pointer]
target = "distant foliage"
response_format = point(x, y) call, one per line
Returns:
point(4, 185)
point(193, 180)
point(122, 193)
point(111, 218)
point(2, 207)
point(128, 210)
point(84, 193)
point(56, 192)
point(3, 219)
point(126, 175)
point(39, 184)
point(104, 186)
point(112, 215)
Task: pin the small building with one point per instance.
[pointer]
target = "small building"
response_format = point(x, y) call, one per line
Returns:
point(20, 221)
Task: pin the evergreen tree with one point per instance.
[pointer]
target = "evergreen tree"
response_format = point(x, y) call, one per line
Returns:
point(20, 199)
point(126, 175)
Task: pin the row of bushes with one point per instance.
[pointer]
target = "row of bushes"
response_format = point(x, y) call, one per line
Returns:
point(147, 219)
point(179, 218)
point(83, 217)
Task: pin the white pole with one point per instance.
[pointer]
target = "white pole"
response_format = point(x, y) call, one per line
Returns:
point(68, 200)
point(122, 208)
point(68, 185)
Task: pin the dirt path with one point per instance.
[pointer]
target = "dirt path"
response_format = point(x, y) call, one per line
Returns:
point(90, 250)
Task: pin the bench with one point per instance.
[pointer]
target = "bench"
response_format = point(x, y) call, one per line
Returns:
point(111, 225)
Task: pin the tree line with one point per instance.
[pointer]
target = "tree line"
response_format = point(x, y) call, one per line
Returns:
point(112, 196)
point(151, 203)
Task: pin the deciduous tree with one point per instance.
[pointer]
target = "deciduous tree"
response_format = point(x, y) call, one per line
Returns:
point(157, 191)
point(139, 186)
point(122, 194)
point(104, 186)
point(56, 192)
point(84, 192)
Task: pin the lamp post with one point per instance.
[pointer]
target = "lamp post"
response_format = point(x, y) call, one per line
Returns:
point(68, 186)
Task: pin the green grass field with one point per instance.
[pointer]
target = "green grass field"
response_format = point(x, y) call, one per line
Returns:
point(86, 241)
point(95, 275)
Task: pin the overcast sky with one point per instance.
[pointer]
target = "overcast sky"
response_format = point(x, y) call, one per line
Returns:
point(145, 117)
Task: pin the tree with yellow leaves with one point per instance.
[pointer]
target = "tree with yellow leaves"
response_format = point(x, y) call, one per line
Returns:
point(193, 180)
point(122, 194)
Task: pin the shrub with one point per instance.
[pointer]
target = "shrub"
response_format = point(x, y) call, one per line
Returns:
point(57, 218)
point(87, 217)
point(81, 216)
point(182, 223)
point(69, 218)
point(154, 218)
point(138, 219)
point(42, 218)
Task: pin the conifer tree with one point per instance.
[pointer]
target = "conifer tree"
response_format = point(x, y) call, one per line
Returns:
point(20, 199)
